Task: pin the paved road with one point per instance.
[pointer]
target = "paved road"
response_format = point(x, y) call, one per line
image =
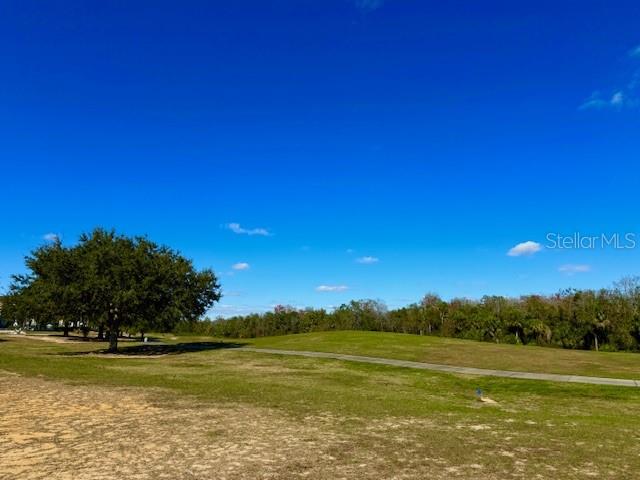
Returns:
point(551, 377)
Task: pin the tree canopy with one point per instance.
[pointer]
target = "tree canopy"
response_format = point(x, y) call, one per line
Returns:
point(112, 282)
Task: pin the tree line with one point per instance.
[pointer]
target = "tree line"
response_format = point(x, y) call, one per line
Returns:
point(109, 283)
point(606, 319)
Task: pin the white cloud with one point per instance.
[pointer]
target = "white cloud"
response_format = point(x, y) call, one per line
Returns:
point(241, 266)
point(525, 248)
point(571, 269)
point(617, 100)
point(367, 260)
point(51, 237)
point(369, 5)
point(331, 288)
point(236, 228)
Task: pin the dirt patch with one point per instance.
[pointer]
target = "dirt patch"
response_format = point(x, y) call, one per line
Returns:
point(52, 430)
point(56, 431)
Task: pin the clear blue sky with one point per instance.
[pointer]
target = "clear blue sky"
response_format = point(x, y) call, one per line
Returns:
point(430, 136)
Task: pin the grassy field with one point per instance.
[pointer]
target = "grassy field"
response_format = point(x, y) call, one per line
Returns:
point(208, 411)
point(468, 353)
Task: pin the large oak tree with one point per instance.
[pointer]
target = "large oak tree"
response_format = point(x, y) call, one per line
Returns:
point(114, 282)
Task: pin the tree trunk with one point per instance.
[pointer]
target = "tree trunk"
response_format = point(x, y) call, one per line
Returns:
point(114, 327)
point(142, 336)
point(113, 341)
point(101, 332)
point(65, 332)
point(596, 339)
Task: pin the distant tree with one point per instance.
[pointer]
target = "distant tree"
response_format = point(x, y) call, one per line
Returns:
point(49, 293)
point(18, 306)
point(434, 312)
point(367, 314)
point(628, 287)
point(3, 301)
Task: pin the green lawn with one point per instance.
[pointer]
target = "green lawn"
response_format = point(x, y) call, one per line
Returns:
point(537, 428)
point(466, 353)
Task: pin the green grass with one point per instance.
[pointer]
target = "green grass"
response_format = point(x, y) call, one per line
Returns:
point(467, 353)
point(575, 429)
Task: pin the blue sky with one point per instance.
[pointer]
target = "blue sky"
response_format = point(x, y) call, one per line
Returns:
point(330, 150)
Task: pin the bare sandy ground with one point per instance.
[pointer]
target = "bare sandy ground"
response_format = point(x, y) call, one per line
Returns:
point(51, 430)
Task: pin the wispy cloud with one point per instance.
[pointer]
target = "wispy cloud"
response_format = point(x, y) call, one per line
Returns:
point(368, 5)
point(367, 260)
point(241, 266)
point(571, 269)
point(51, 237)
point(331, 288)
point(525, 248)
point(236, 228)
point(623, 97)
point(617, 100)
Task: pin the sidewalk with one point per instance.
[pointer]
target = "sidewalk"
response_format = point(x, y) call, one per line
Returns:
point(550, 377)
